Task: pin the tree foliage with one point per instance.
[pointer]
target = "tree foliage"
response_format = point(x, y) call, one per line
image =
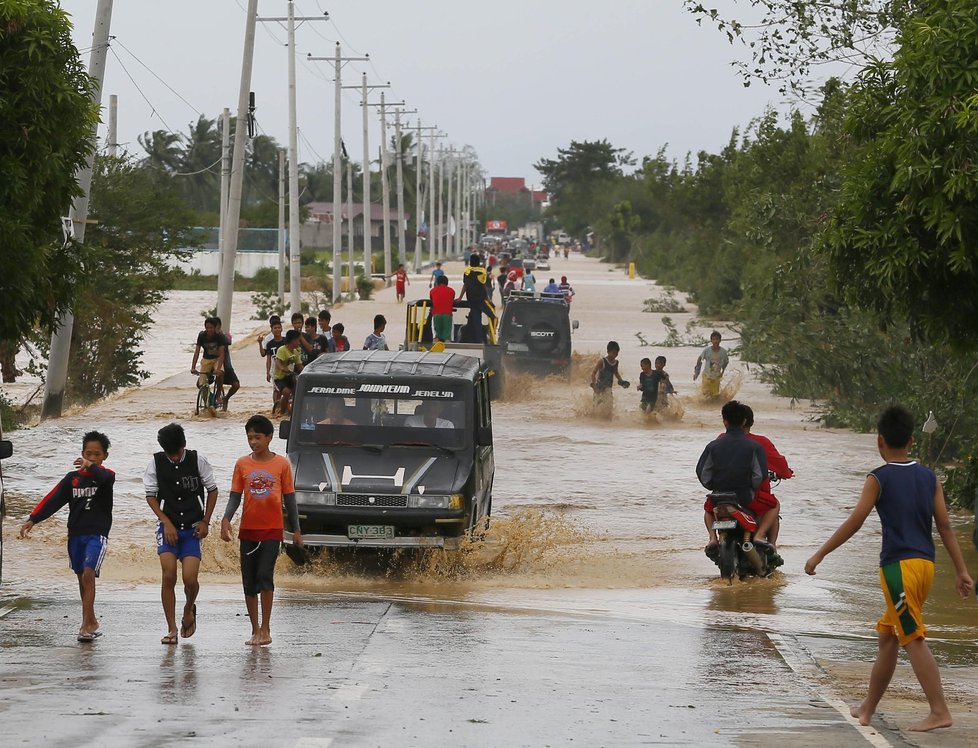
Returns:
point(904, 239)
point(577, 181)
point(47, 126)
point(787, 39)
point(141, 224)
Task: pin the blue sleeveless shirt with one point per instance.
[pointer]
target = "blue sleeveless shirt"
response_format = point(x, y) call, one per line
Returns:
point(906, 510)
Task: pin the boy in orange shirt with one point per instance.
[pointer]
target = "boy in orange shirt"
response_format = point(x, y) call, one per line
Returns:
point(264, 480)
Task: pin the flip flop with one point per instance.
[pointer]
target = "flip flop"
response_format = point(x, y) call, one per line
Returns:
point(89, 637)
point(169, 639)
point(187, 631)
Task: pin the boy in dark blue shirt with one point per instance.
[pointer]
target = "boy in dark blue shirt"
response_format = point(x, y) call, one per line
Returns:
point(908, 499)
point(88, 493)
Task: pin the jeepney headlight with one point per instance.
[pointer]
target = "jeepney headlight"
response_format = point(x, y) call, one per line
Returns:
point(320, 498)
point(435, 501)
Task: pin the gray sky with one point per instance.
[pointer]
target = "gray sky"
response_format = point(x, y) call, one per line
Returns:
point(515, 79)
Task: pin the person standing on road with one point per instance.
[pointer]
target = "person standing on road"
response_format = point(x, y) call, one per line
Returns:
point(442, 298)
point(176, 481)
point(715, 359)
point(263, 480)
point(376, 341)
point(474, 288)
point(88, 493)
point(909, 500)
point(435, 275)
point(401, 280)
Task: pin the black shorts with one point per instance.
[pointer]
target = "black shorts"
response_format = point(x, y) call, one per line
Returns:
point(258, 565)
point(230, 377)
point(285, 383)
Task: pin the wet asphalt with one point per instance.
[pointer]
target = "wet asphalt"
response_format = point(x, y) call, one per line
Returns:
point(375, 671)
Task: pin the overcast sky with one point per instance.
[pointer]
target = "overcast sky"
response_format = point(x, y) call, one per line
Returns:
point(515, 79)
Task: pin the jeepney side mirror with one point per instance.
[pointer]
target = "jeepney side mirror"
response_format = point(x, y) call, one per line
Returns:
point(575, 324)
point(283, 429)
point(485, 436)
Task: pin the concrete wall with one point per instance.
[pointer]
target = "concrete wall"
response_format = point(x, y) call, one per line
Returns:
point(208, 262)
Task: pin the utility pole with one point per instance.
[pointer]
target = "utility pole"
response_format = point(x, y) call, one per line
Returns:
point(349, 216)
point(385, 181)
point(367, 212)
point(225, 281)
point(338, 61)
point(112, 142)
point(401, 249)
point(419, 197)
point(439, 204)
point(295, 228)
point(57, 376)
point(225, 184)
point(432, 244)
point(281, 226)
point(295, 242)
point(450, 216)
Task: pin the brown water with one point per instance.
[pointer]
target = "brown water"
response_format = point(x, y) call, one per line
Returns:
point(593, 510)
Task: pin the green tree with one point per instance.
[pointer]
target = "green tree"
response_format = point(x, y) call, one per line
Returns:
point(787, 39)
point(141, 224)
point(903, 238)
point(47, 121)
point(578, 181)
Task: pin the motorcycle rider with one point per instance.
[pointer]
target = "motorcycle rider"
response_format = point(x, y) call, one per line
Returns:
point(731, 462)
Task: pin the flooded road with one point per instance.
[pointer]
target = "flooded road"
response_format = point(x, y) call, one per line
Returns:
point(590, 598)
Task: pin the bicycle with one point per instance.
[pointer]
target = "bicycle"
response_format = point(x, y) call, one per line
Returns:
point(206, 393)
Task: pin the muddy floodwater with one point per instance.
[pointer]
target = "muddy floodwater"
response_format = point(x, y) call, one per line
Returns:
point(592, 516)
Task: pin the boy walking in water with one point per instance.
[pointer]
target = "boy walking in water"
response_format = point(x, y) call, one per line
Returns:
point(88, 493)
point(908, 499)
point(712, 362)
point(264, 480)
point(175, 482)
point(604, 374)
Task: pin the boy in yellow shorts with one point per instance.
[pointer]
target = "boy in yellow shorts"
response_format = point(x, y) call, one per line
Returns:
point(908, 499)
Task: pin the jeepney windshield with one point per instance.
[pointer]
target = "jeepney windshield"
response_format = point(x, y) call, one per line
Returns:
point(383, 415)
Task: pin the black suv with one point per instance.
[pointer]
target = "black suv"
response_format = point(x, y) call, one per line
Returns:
point(535, 332)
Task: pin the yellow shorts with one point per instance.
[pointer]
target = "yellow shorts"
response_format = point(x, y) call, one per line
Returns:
point(711, 387)
point(906, 585)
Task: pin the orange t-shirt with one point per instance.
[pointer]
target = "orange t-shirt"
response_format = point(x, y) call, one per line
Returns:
point(262, 485)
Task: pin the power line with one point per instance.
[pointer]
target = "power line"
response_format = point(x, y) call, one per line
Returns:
point(172, 90)
point(133, 80)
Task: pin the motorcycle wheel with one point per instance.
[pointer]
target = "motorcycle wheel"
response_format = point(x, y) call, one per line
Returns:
point(728, 559)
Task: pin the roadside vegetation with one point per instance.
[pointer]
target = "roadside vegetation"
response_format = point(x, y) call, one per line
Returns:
point(845, 243)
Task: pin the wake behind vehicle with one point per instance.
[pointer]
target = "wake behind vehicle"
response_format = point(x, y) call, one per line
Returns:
point(391, 449)
point(535, 332)
point(738, 554)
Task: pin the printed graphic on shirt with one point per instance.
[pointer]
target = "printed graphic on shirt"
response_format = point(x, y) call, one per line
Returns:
point(260, 484)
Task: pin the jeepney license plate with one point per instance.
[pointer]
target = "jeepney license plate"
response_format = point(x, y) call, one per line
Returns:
point(723, 524)
point(356, 532)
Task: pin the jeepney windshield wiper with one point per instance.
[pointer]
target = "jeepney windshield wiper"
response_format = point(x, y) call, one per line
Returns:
point(439, 447)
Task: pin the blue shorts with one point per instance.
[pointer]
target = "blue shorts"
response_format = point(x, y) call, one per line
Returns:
point(86, 552)
point(187, 543)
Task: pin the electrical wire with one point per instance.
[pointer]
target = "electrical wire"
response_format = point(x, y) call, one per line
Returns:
point(199, 171)
point(145, 98)
point(172, 90)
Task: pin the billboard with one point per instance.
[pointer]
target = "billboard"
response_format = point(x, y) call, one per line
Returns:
point(494, 226)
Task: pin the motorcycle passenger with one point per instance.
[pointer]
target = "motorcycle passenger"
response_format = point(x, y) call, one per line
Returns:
point(732, 462)
point(768, 522)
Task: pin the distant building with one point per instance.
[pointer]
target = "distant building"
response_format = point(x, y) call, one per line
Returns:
point(317, 231)
point(504, 189)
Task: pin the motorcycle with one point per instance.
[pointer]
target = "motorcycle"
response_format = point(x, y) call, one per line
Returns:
point(738, 554)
